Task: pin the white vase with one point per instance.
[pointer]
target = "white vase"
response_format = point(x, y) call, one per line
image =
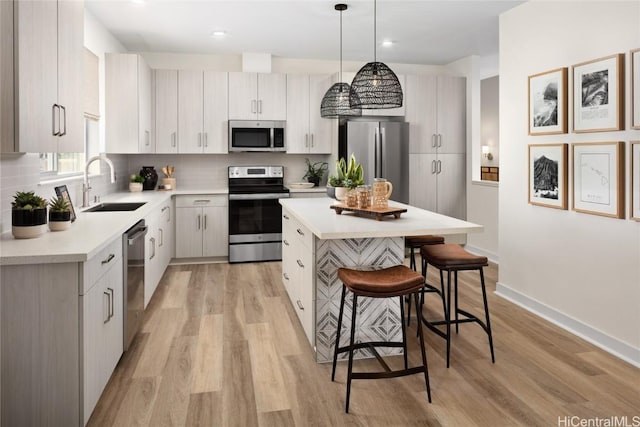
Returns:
point(341, 193)
point(135, 186)
point(59, 225)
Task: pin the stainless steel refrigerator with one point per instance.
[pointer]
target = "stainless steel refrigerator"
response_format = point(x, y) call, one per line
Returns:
point(382, 147)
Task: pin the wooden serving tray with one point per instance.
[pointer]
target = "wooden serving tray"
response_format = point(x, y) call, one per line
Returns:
point(377, 213)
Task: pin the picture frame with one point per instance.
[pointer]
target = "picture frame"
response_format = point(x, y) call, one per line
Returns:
point(635, 88)
point(598, 178)
point(548, 102)
point(548, 173)
point(62, 192)
point(598, 95)
point(635, 180)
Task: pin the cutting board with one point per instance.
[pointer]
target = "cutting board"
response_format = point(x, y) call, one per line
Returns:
point(377, 213)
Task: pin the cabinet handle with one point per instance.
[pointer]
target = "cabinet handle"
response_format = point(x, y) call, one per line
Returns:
point(300, 263)
point(206, 140)
point(53, 120)
point(253, 106)
point(299, 232)
point(439, 166)
point(108, 259)
point(260, 107)
point(300, 306)
point(205, 222)
point(110, 303)
point(306, 139)
point(147, 137)
point(439, 140)
point(433, 166)
point(433, 139)
point(161, 237)
point(153, 246)
point(285, 216)
point(311, 140)
point(198, 222)
point(64, 110)
point(201, 201)
point(108, 306)
point(199, 139)
point(285, 276)
point(173, 139)
point(169, 216)
point(285, 242)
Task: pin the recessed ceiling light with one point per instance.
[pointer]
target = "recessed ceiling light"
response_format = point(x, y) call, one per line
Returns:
point(218, 33)
point(387, 43)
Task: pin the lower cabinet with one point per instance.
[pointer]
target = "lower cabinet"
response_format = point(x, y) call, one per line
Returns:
point(298, 270)
point(202, 226)
point(158, 248)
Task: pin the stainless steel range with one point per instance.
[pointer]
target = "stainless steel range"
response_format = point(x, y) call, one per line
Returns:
point(255, 215)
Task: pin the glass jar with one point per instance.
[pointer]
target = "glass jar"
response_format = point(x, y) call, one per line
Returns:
point(364, 197)
point(352, 198)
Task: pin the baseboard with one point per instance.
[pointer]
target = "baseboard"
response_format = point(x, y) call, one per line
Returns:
point(609, 344)
point(493, 257)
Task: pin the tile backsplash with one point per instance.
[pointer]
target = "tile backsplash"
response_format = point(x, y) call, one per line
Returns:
point(20, 172)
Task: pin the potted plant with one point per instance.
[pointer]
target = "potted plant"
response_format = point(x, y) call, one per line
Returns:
point(315, 172)
point(135, 182)
point(59, 214)
point(348, 176)
point(28, 215)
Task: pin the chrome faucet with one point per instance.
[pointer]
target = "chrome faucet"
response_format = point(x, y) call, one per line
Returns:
point(85, 185)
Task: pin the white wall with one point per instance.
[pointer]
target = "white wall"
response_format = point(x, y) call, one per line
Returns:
point(581, 271)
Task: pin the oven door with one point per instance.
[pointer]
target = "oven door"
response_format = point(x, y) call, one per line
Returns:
point(255, 227)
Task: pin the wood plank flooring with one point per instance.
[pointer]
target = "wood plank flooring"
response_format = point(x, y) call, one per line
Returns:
point(221, 346)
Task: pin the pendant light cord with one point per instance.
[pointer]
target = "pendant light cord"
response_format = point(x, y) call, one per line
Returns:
point(374, 31)
point(341, 46)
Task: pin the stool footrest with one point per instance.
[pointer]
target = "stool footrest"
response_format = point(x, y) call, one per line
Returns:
point(470, 319)
point(386, 374)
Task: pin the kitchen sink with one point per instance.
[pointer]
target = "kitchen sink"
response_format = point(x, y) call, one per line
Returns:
point(115, 207)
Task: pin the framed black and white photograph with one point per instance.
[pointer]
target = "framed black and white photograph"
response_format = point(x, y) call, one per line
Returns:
point(635, 180)
point(62, 192)
point(548, 175)
point(548, 102)
point(598, 178)
point(635, 89)
point(598, 95)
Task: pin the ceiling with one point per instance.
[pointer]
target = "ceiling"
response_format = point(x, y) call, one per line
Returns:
point(434, 32)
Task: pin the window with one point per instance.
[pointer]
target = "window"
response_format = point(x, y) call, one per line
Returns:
point(67, 165)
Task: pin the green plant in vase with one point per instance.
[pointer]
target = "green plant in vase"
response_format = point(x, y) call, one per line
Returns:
point(59, 214)
point(135, 182)
point(315, 172)
point(28, 215)
point(348, 176)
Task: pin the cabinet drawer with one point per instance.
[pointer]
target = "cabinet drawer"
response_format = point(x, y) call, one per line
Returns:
point(201, 200)
point(295, 228)
point(102, 262)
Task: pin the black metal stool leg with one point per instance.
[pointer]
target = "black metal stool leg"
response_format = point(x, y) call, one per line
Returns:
point(448, 314)
point(404, 333)
point(424, 354)
point(337, 344)
point(486, 311)
point(354, 309)
point(455, 275)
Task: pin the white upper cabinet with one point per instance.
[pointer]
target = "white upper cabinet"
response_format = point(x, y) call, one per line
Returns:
point(436, 112)
point(257, 96)
point(47, 75)
point(400, 111)
point(166, 111)
point(202, 111)
point(307, 132)
point(128, 104)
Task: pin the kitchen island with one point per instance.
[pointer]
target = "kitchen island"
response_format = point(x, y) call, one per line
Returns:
point(317, 241)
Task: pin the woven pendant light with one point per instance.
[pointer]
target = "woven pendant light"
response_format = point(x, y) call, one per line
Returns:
point(375, 86)
point(336, 102)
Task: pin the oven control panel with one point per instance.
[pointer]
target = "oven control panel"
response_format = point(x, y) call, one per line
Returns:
point(256, 171)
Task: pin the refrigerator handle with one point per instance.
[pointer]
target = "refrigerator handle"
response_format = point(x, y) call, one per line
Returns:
point(375, 153)
point(382, 140)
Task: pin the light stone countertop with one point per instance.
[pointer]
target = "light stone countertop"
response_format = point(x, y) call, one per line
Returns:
point(89, 233)
point(325, 223)
point(307, 190)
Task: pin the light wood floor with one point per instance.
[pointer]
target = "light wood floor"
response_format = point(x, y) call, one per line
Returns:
point(221, 345)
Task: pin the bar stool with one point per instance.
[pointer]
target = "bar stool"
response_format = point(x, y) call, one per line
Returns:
point(416, 242)
point(451, 257)
point(391, 282)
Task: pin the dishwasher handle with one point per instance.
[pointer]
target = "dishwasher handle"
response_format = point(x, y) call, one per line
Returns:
point(140, 232)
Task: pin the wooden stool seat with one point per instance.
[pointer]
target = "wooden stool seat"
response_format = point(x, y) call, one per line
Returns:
point(418, 241)
point(453, 258)
point(393, 282)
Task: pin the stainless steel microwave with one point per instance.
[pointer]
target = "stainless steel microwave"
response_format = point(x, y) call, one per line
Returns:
point(256, 135)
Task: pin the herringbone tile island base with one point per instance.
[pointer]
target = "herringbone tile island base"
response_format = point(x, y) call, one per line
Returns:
point(222, 346)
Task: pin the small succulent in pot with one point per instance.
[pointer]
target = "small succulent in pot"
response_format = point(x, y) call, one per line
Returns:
point(135, 182)
point(59, 214)
point(315, 171)
point(28, 215)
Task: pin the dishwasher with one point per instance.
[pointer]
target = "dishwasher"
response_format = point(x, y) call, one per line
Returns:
point(133, 280)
